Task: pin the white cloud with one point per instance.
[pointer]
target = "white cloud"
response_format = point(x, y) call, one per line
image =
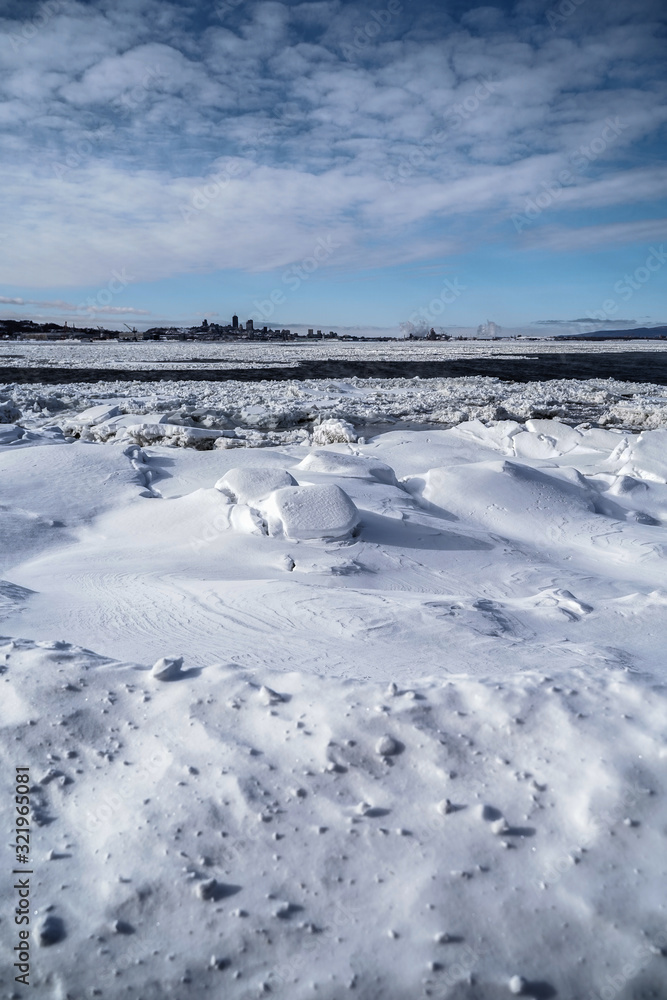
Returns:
point(69, 307)
point(57, 304)
point(317, 136)
point(645, 231)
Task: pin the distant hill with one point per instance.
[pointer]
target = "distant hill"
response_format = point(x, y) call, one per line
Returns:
point(639, 333)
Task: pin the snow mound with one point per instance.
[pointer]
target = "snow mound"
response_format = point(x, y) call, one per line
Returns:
point(348, 466)
point(334, 432)
point(564, 437)
point(253, 484)
point(302, 512)
point(496, 434)
point(645, 457)
point(167, 668)
point(554, 509)
point(527, 445)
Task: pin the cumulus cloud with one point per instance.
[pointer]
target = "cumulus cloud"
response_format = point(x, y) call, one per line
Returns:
point(171, 139)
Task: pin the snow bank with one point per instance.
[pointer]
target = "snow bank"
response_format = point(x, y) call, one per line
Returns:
point(549, 510)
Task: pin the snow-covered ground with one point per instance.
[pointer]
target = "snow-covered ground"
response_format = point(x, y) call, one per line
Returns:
point(416, 745)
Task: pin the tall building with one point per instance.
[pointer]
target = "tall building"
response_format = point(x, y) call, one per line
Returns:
point(249, 325)
point(235, 322)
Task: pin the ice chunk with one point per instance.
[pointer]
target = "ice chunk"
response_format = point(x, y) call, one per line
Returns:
point(253, 484)
point(500, 826)
point(599, 439)
point(172, 434)
point(527, 445)
point(348, 466)
point(167, 668)
point(268, 696)
point(9, 412)
point(49, 930)
point(646, 456)
point(497, 434)
point(97, 414)
point(208, 889)
point(310, 512)
point(10, 433)
point(334, 431)
point(387, 746)
point(564, 437)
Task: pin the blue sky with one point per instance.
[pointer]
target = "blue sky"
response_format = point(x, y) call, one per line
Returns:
point(333, 164)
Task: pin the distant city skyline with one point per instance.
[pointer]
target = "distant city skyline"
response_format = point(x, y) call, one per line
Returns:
point(334, 164)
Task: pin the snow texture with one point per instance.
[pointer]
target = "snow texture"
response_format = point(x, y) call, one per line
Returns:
point(378, 718)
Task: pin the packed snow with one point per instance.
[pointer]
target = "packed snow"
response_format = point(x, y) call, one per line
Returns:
point(371, 707)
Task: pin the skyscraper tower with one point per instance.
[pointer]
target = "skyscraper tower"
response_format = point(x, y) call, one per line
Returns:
point(235, 322)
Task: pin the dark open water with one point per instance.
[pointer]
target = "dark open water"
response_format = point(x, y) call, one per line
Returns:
point(636, 366)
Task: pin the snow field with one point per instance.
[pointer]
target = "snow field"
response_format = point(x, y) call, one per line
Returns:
point(378, 718)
